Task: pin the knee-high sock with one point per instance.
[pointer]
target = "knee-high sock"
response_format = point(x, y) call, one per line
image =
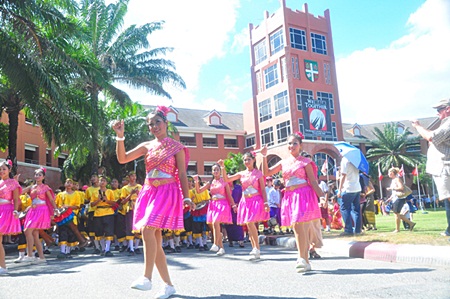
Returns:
point(131, 245)
point(107, 245)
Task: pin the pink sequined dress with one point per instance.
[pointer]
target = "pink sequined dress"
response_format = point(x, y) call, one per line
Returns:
point(38, 216)
point(160, 202)
point(299, 204)
point(251, 207)
point(219, 209)
point(9, 225)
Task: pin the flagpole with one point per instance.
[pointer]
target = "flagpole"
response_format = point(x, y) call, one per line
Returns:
point(379, 182)
point(418, 190)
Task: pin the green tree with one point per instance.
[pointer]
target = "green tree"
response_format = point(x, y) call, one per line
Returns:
point(31, 36)
point(392, 148)
point(124, 57)
point(234, 163)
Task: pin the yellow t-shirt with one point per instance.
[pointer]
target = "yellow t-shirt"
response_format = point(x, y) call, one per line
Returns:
point(92, 192)
point(126, 190)
point(103, 209)
point(25, 201)
point(66, 199)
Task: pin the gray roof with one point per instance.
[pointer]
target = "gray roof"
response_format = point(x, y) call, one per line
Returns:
point(195, 118)
point(367, 130)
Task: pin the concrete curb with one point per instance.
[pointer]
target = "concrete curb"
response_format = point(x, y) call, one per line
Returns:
point(425, 255)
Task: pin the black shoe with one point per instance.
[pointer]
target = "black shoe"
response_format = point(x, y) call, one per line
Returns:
point(74, 252)
point(82, 249)
point(190, 246)
point(201, 248)
point(36, 254)
point(171, 250)
point(314, 255)
point(123, 248)
point(96, 251)
point(61, 256)
point(137, 251)
point(131, 253)
point(116, 248)
point(205, 247)
point(46, 251)
point(178, 249)
point(103, 253)
point(230, 244)
point(197, 246)
point(108, 254)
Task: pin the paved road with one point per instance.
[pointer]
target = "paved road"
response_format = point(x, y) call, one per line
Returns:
point(203, 275)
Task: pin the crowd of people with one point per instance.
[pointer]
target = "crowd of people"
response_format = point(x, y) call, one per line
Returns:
point(172, 210)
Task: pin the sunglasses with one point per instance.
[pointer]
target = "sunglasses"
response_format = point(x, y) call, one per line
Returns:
point(439, 110)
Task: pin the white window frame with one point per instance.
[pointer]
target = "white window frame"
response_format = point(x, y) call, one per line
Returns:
point(281, 103)
point(265, 110)
point(271, 76)
point(295, 32)
point(318, 43)
point(276, 41)
point(260, 52)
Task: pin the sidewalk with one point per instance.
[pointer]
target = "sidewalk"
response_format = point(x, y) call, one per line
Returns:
point(424, 255)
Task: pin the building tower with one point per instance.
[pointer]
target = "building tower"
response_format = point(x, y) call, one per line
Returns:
point(294, 83)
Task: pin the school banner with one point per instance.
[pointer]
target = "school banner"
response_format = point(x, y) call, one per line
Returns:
point(316, 118)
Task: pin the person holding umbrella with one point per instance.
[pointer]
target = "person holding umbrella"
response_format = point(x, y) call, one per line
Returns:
point(348, 194)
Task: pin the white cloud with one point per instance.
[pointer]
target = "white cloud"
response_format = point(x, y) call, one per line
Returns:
point(403, 80)
point(194, 43)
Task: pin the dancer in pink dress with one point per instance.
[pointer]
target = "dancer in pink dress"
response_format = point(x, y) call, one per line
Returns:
point(10, 191)
point(253, 207)
point(299, 207)
point(219, 207)
point(38, 216)
point(160, 202)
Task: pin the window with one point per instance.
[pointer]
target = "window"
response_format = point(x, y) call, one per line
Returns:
point(318, 43)
point(209, 141)
point(281, 103)
point(276, 42)
point(283, 68)
point(301, 126)
point(31, 154)
point(327, 73)
point(215, 120)
point(302, 95)
point(271, 76)
point(258, 82)
point(48, 157)
point(188, 141)
point(265, 111)
point(325, 96)
point(230, 142)
point(207, 169)
point(295, 69)
point(250, 141)
point(334, 130)
point(267, 136)
point(356, 132)
point(192, 168)
point(298, 38)
point(283, 131)
point(172, 117)
point(260, 52)
point(400, 129)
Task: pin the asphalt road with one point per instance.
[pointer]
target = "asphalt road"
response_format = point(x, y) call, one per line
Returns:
point(203, 275)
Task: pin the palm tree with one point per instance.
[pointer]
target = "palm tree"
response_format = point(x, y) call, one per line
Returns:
point(124, 57)
point(392, 148)
point(31, 33)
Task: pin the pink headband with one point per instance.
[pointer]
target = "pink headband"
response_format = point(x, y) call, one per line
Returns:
point(163, 110)
point(299, 134)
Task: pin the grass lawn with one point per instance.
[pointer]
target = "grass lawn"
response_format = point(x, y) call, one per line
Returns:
point(427, 230)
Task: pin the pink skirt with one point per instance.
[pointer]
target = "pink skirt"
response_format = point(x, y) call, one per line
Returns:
point(219, 211)
point(9, 225)
point(37, 217)
point(251, 210)
point(159, 207)
point(299, 205)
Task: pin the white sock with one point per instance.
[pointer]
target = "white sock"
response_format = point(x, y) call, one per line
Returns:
point(177, 240)
point(63, 248)
point(21, 253)
point(171, 243)
point(189, 239)
point(107, 245)
point(131, 245)
point(67, 249)
point(205, 240)
point(136, 243)
point(97, 244)
point(200, 241)
point(102, 243)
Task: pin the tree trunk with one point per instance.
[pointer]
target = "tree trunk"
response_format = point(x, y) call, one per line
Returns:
point(13, 115)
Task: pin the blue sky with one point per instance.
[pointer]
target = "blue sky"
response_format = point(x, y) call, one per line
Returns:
point(392, 56)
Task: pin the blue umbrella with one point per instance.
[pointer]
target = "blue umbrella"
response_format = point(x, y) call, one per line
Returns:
point(354, 155)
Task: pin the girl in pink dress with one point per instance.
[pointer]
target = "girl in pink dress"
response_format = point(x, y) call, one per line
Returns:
point(38, 215)
point(160, 202)
point(219, 207)
point(299, 207)
point(10, 191)
point(253, 207)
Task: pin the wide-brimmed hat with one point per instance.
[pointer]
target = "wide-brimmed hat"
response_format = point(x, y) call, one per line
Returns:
point(442, 103)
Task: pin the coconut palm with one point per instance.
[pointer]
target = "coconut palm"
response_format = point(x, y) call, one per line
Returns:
point(392, 148)
point(124, 57)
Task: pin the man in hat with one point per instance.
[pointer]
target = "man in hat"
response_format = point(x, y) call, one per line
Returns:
point(438, 155)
